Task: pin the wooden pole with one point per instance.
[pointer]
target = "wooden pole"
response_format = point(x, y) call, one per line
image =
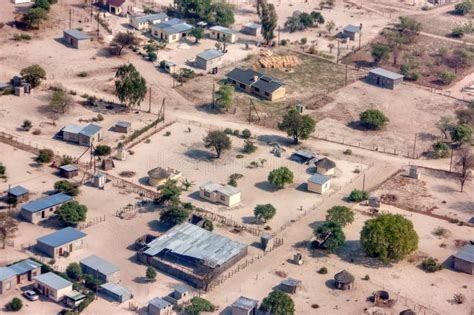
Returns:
point(149, 100)
point(337, 57)
point(70, 18)
point(451, 162)
point(345, 79)
point(414, 145)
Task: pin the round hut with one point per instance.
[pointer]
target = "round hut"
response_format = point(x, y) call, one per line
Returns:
point(158, 176)
point(407, 312)
point(344, 280)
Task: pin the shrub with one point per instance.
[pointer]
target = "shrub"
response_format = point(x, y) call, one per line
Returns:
point(283, 42)
point(73, 271)
point(232, 182)
point(440, 231)
point(27, 124)
point(323, 270)
point(33, 74)
point(91, 282)
point(440, 150)
point(36, 132)
point(457, 32)
point(246, 134)
point(373, 119)
point(82, 74)
point(100, 117)
point(152, 56)
point(459, 298)
point(303, 41)
point(199, 305)
point(249, 147)
point(22, 36)
point(228, 131)
point(45, 156)
point(447, 77)
point(366, 278)
point(358, 195)
point(431, 265)
point(208, 225)
point(236, 132)
point(14, 305)
point(102, 150)
point(150, 273)
point(64, 186)
point(347, 152)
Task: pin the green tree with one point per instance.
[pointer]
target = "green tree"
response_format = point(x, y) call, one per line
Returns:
point(246, 134)
point(8, 227)
point(71, 213)
point(330, 235)
point(74, 271)
point(150, 273)
point(278, 303)
point(223, 14)
point(218, 140)
point(281, 176)
point(461, 133)
point(102, 150)
point(42, 4)
point(208, 225)
point(249, 147)
point(130, 86)
point(357, 195)
point(60, 101)
point(409, 26)
point(197, 33)
point(45, 156)
point(3, 170)
point(318, 17)
point(380, 52)
point(297, 126)
point(64, 186)
point(122, 40)
point(440, 150)
point(264, 212)
point(91, 282)
point(458, 32)
point(224, 96)
point(373, 119)
point(14, 305)
point(463, 8)
point(430, 264)
point(169, 192)
point(174, 215)
point(268, 19)
point(340, 214)
point(388, 237)
point(445, 124)
point(199, 305)
point(152, 56)
point(26, 126)
point(447, 77)
point(33, 74)
point(34, 17)
point(186, 183)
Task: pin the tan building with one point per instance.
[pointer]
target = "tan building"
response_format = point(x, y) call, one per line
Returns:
point(171, 31)
point(319, 183)
point(76, 39)
point(223, 34)
point(159, 306)
point(143, 22)
point(118, 7)
point(41, 209)
point(325, 167)
point(217, 193)
point(7, 280)
point(158, 176)
point(56, 244)
point(244, 306)
point(52, 286)
point(256, 83)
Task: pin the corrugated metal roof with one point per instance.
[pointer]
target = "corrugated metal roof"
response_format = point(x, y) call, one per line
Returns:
point(69, 168)
point(319, 179)
point(253, 25)
point(192, 241)
point(247, 77)
point(6, 273)
point(325, 163)
point(245, 303)
point(229, 190)
point(151, 17)
point(18, 191)
point(103, 266)
point(210, 54)
point(222, 29)
point(90, 130)
point(4, 85)
point(61, 237)
point(72, 128)
point(386, 73)
point(210, 186)
point(123, 123)
point(305, 153)
point(291, 282)
point(74, 295)
point(52, 280)
point(181, 289)
point(352, 28)
point(466, 253)
point(24, 266)
point(115, 289)
point(160, 303)
point(46, 202)
point(77, 34)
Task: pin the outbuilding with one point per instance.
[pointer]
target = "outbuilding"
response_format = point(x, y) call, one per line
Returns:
point(252, 29)
point(90, 133)
point(325, 167)
point(52, 286)
point(257, 83)
point(143, 22)
point(290, 285)
point(384, 78)
point(224, 34)
point(158, 176)
point(26, 271)
point(100, 268)
point(58, 243)
point(70, 132)
point(76, 39)
point(351, 32)
point(115, 292)
point(319, 183)
point(20, 193)
point(464, 259)
point(217, 193)
point(73, 298)
point(303, 156)
point(344, 280)
point(68, 171)
point(7, 280)
point(122, 126)
point(244, 306)
point(209, 59)
point(171, 30)
point(159, 306)
point(40, 209)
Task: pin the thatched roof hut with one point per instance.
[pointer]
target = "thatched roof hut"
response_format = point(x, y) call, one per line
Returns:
point(344, 280)
point(159, 175)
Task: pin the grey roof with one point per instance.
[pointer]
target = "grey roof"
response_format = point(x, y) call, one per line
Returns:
point(386, 73)
point(72, 128)
point(253, 25)
point(122, 123)
point(245, 303)
point(181, 289)
point(210, 186)
point(344, 277)
point(325, 163)
point(222, 29)
point(319, 179)
point(291, 282)
point(77, 34)
point(305, 153)
point(247, 77)
point(160, 303)
point(192, 241)
point(150, 17)
point(173, 26)
point(115, 289)
point(61, 237)
point(466, 253)
point(6, 273)
point(53, 280)
point(90, 130)
point(229, 190)
point(266, 236)
point(100, 264)
point(74, 295)
point(24, 266)
point(69, 168)
point(210, 54)
point(18, 191)
point(4, 85)
point(46, 202)
point(352, 28)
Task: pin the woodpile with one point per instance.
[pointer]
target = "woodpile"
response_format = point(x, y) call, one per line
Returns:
point(268, 60)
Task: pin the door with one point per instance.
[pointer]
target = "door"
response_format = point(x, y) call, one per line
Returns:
point(70, 247)
point(378, 80)
point(43, 215)
point(60, 251)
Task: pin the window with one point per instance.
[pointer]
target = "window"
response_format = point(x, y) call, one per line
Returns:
point(242, 86)
point(222, 197)
point(207, 194)
point(9, 285)
point(256, 89)
point(267, 94)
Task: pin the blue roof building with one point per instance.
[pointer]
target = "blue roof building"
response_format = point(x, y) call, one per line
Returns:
point(101, 268)
point(319, 183)
point(20, 193)
point(40, 209)
point(65, 240)
point(224, 34)
point(24, 266)
point(116, 292)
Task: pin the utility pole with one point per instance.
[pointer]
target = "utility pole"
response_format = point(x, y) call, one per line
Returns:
point(98, 17)
point(451, 162)
point(279, 31)
point(337, 57)
point(414, 145)
point(360, 34)
point(345, 79)
point(363, 183)
point(149, 100)
point(213, 95)
point(92, 7)
point(70, 18)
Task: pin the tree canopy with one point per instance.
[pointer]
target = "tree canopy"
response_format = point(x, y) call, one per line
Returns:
point(34, 17)
point(461, 133)
point(268, 19)
point(169, 192)
point(224, 96)
point(213, 12)
point(174, 215)
point(264, 212)
point(122, 40)
point(297, 126)
point(150, 273)
point(33, 74)
point(330, 235)
point(218, 140)
point(199, 305)
point(74, 271)
point(373, 119)
point(130, 86)
point(281, 176)
point(60, 102)
point(340, 214)
point(197, 33)
point(389, 237)
point(8, 227)
point(278, 303)
point(64, 186)
point(102, 150)
point(71, 213)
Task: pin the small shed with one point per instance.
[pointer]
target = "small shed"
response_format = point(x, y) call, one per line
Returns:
point(76, 39)
point(252, 29)
point(217, 193)
point(123, 126)
point(209, 59)
point(7, 280)
point(100, 268)
point(168, 66)
point(298, 259)
point(303, 156)
point(90, 133)
point(159, 306)
point(20, 193)
point(384, 78)
point(319, 183)
point(70, 132)
point(290, 285)
point(159, 175)
point(413, 173)
point(68, 171)
point(107, 164)
point(180, 293)
point(116, 292)
point(99, 180)
point(464, 259)
point(351, 32)
point(73, 298)
point(52, 286)
point(374, 202)
point(325, 167)
point(244, 306)
point(267, 241)
point(57, 243)
point(344, 280)
point(223, 34)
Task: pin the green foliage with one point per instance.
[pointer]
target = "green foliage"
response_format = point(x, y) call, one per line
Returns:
point(208, 225)
point(430, 264)
point(297, 126)
point(249, 147)
point(224, 97)
point(340, 214)
point(357, 195)
point(303, 21)
point(14, 305)
point(73, 271)
point(463, 8)
point(373, 119)
point(268, 19)
point(169, 192)
point(457, 32)
point(264, 212)
point(228, 131)
point(389, 237)
point(213, 12)
point(409, 26)
point(26, 126)
point(246, 134)
point(71, 213)
point(409, 70)
point(3, 170)
point(440, 150)
point(330, 235)
point(102, 150)
point(122, 40)
point(21, 37)
point(64, 186)
point(150, 273)
point(347, 152)
point(323, 270)
point(232, 182)
point(137, 133)
point(236, 132)
point(152, 56)
point(91, 282)
point(461, 133)
point(186, 183)
point(218, 140)
point(281, 176)
point(90, 297)
point(199, 305)
point(130, 86)
point(380, 52)
point(33, 74)
point(60, 101)
point(366, 278)
point(278, 303)
point(45, 156)
point(174, 215)
point(440, 231)
point(42, 4)
point(447, 77)
point(197, 33)
point(223, 14)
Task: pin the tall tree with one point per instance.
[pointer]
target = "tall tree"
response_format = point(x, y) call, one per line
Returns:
point(71, 213)
point(445, 124)
point(174, 215)
point(264, 212)
point(130, 86)
point(60, 102)
point(340, 214)
point(461, 133)
point(34, 17)
point(33, 74)
point(8, 227)
point(122, 40)
point(224, 96)
point(218, 140)
point(281, 176)
point(278, 303)
point(466, 166)
point(268, 19)
point(169, 192)
point(330, 235)
point(297, 126)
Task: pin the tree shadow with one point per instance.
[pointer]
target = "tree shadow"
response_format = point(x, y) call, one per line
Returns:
point(200, 155)
point(275, 139)
point(364, 63)
point(266, 186)
point(463, 206)
point(427, 136)
point(251, 220)
point(208, 108)
point(157, 226)
point(144, 181)
point(353, 252)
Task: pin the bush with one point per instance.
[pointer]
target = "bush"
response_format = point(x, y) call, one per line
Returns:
point(64, 186)
point(358, 195)
point(347, 152)
point(440, 150)
point(232, 182)
point(15, 305)
point(73, 271)
point(82, 74)
point(447, 77)
point(440, 231)
point(283, 42)
point(100, 117)
point(150, 273)
point(27, 124)
point(366, 278)
point(102, 150)
point(236, 132)
point(228, 131)
point(21, 37)
point(199, 305)
point(45, 156)
point(373, 119)
point(91, 282)
point(281, 176)
point(152, 56)
point(459, 298)
point(457, 32)
point(246, 134)
point(33, 74)
point(323, 270)
point(71, 213)
point(249, 147)
point(431, 265)
point(463, 8)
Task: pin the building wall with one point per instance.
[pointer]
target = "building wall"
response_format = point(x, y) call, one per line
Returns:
point(320, 189)
point(38, 216)
point(382, 81)
point(463, 266)
point(86, 140)
point(113, 277)
point(278, 94)
point(325, 171)
point(250, 31)
point(240, 311)
point(54, 252)
point(28, 276)
point(212, 196)
point(350, 35)
point(22, 198)
point(53, 294)
point(121, 129)
point(230, 38)
point(230, 201)
point(7, 285)
point(67, 136)
point(153, 310)
point(71, 41)
point(209, 64)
